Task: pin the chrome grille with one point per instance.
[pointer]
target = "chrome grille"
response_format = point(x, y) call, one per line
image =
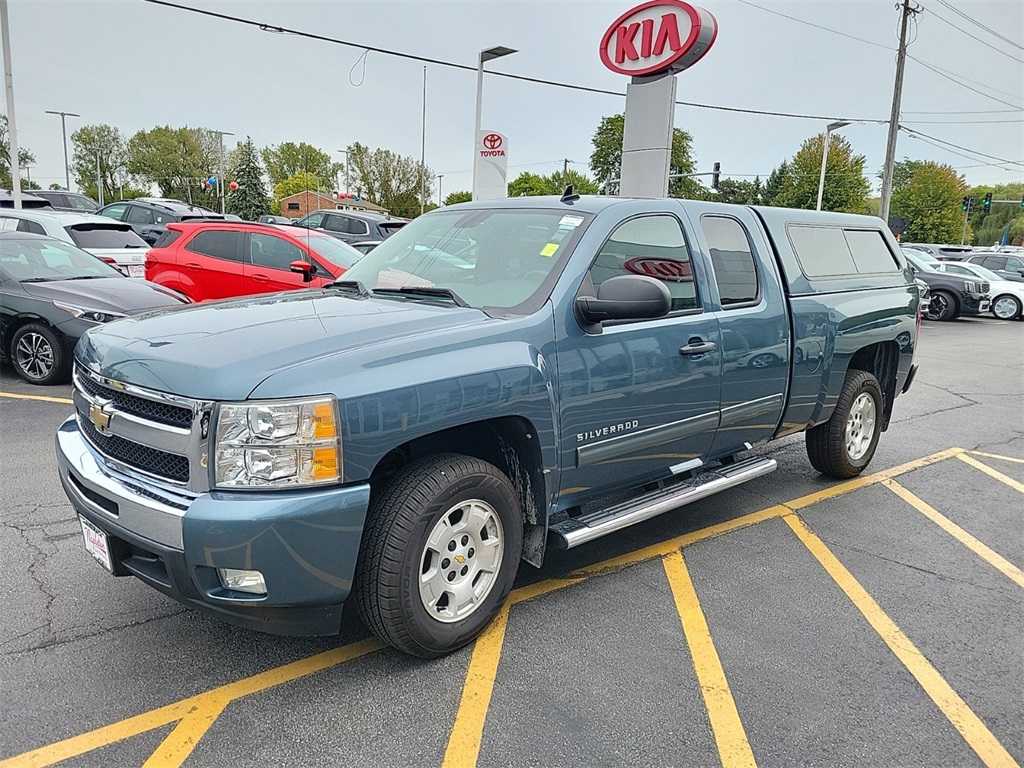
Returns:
point(149, 460)
point(164, 413)
point(985, 286)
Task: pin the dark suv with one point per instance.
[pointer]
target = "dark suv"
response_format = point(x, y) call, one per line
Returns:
point(150, 219)
point(950, 295)
point(62, 200)
point(1008, 265)
point(353, 226)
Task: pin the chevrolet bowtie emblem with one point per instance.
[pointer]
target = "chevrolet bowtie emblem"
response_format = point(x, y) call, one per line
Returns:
point(99, 417)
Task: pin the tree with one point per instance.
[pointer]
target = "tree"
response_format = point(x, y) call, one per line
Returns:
point(740, 192)
point(929, 195)
point(606, 159)
point(176, 160)
point(773, 184)
point(530, 184)
point(391, 180)
point(989, 226)
point(25, 158)
point(106, 143)
point(458, 197)
point(250, 200)
point(846, 187)
point(300, 182)
point(288, 159)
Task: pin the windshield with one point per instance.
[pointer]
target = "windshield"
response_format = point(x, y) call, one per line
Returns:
point(331, 249)
point(919, 260)
point(105, 236)
point(41, 260)
point(505, 259)
point(982, 272)
point(83, 203)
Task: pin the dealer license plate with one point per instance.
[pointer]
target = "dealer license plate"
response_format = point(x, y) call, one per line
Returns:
point(136, 270)
point(96, 543)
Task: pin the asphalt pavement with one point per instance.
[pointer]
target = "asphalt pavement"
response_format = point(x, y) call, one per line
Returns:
point(794, 620)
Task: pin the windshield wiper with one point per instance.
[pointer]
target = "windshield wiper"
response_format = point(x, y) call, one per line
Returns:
point(433, 292)
point(37, 279)
point(354, 286)
point(84, 277)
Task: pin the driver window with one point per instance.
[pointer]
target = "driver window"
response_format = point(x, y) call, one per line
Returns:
point(652, 246)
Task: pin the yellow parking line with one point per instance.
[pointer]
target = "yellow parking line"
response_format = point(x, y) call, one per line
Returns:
point(36, 397)
point(992, 473)
point(1014, 459)
point(730, 736)
point(180, 742)
point(973, 730)
point(994, 559)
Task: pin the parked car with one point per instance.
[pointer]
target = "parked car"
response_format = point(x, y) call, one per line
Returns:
point(52, 292)
point(219, 259)
point(1007, 295)
point(408, 434)
point(150, 219)
point(366, 246)
point(62, 200)
point(113, 242)
point(353, 226)
point(942, 252)
point(951, 296)
point(268, 219)
point(1009, 266)
point(28, 200)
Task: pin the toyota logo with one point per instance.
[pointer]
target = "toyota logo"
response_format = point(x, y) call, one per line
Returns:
point(492, 140)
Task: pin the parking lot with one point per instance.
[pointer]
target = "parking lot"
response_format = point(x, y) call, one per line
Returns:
point(793, 620)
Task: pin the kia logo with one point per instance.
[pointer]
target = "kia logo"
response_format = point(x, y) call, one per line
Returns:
point(492, 140)
point(658, 36)
point(668, 270)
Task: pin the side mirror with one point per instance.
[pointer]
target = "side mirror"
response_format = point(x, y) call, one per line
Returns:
point(303, 268)
point(627, 297)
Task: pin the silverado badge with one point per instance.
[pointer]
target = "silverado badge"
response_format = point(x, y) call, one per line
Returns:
point(99, 417)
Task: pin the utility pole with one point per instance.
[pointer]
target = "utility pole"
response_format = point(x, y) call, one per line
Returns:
point(12, 129)
point(894, 116)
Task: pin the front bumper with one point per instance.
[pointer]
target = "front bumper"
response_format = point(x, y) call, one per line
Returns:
point(305, 543)
point(974, 303)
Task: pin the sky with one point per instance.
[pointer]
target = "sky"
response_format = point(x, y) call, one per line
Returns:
point(136, 65)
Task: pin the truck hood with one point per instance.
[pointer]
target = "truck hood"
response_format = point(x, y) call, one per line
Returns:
point(223, 350)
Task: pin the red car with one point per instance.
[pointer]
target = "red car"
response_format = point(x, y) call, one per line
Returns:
point(220, 259)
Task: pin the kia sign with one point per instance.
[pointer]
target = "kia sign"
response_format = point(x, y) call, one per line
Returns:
point(490, 166)
point(659, 36)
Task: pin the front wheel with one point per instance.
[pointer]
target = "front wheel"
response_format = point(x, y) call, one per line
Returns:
point(844, 445)
point(942, 306)
point(40, 355)
point(1006, 307)
point(440, 551)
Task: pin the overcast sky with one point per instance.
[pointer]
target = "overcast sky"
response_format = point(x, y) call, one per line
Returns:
point(135, 65)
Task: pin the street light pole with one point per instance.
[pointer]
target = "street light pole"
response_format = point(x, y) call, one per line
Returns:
point(12, 127)
point(64, 134)
point(220, 180)
point(439, 177)
point(824, 157)
point(486, 55)
point(345, 152)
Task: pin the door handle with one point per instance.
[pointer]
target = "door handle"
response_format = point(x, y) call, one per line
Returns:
point(261, 278)
point(697, 346)
point(194, 267)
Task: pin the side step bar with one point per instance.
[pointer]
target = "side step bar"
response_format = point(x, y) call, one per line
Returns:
point(579, 530)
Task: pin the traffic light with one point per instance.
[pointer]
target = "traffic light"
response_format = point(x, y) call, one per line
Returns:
point(715, 172)
point(988, 202)
point(965, 204)
point(1022, 202)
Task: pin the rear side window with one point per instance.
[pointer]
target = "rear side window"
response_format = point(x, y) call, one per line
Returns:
point(113, 211)
point(139, 215)
point(94, 236)
point(220, 244)
point(732, 259)
point(652, 246)
point(30, 226)
point(838, 252)
point(168, 237)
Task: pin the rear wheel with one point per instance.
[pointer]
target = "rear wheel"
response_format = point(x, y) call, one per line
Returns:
point(1006, 307)
point(40, 355)
point(844, 445)
point(440, 551)
point(942, 306)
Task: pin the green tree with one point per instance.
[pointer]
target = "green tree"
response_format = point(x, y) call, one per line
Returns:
point(773, 184)
point(250, 200)
point(606, 159)
point(25, 158)
point(106, 143)
point(288, 159)
point(464, 196)
point(176, 160)
point(300, 182)
point(988, 226)
point(531, 184)
point(846, 186)
point(740, 192)
point(391, 180)
point(929, 195)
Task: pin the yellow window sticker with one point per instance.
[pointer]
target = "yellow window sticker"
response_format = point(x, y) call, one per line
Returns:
point(549, 249)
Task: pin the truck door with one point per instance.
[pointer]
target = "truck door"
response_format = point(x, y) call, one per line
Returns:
point(747, 298)
point(639, 400)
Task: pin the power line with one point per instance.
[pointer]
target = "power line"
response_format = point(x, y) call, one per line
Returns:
point(975, 37)
point(955, 78)
point(919, 134)
point(977, 23)
point(966, 112)
point(963, 122)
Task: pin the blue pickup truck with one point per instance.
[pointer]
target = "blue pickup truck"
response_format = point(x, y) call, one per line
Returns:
point(494, 379)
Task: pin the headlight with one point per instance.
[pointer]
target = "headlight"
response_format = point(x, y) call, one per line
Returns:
point(970, 287)
point(277, 443)
point(92, 315)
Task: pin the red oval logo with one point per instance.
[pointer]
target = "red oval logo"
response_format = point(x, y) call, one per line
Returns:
point(658, 36)
point(668, 270)
point(492, 140)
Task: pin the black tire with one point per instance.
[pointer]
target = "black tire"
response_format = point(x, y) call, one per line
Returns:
point(942, 306)
point(1009, 307)
point(828, 444)
point(40, 355)
point(402, 515)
